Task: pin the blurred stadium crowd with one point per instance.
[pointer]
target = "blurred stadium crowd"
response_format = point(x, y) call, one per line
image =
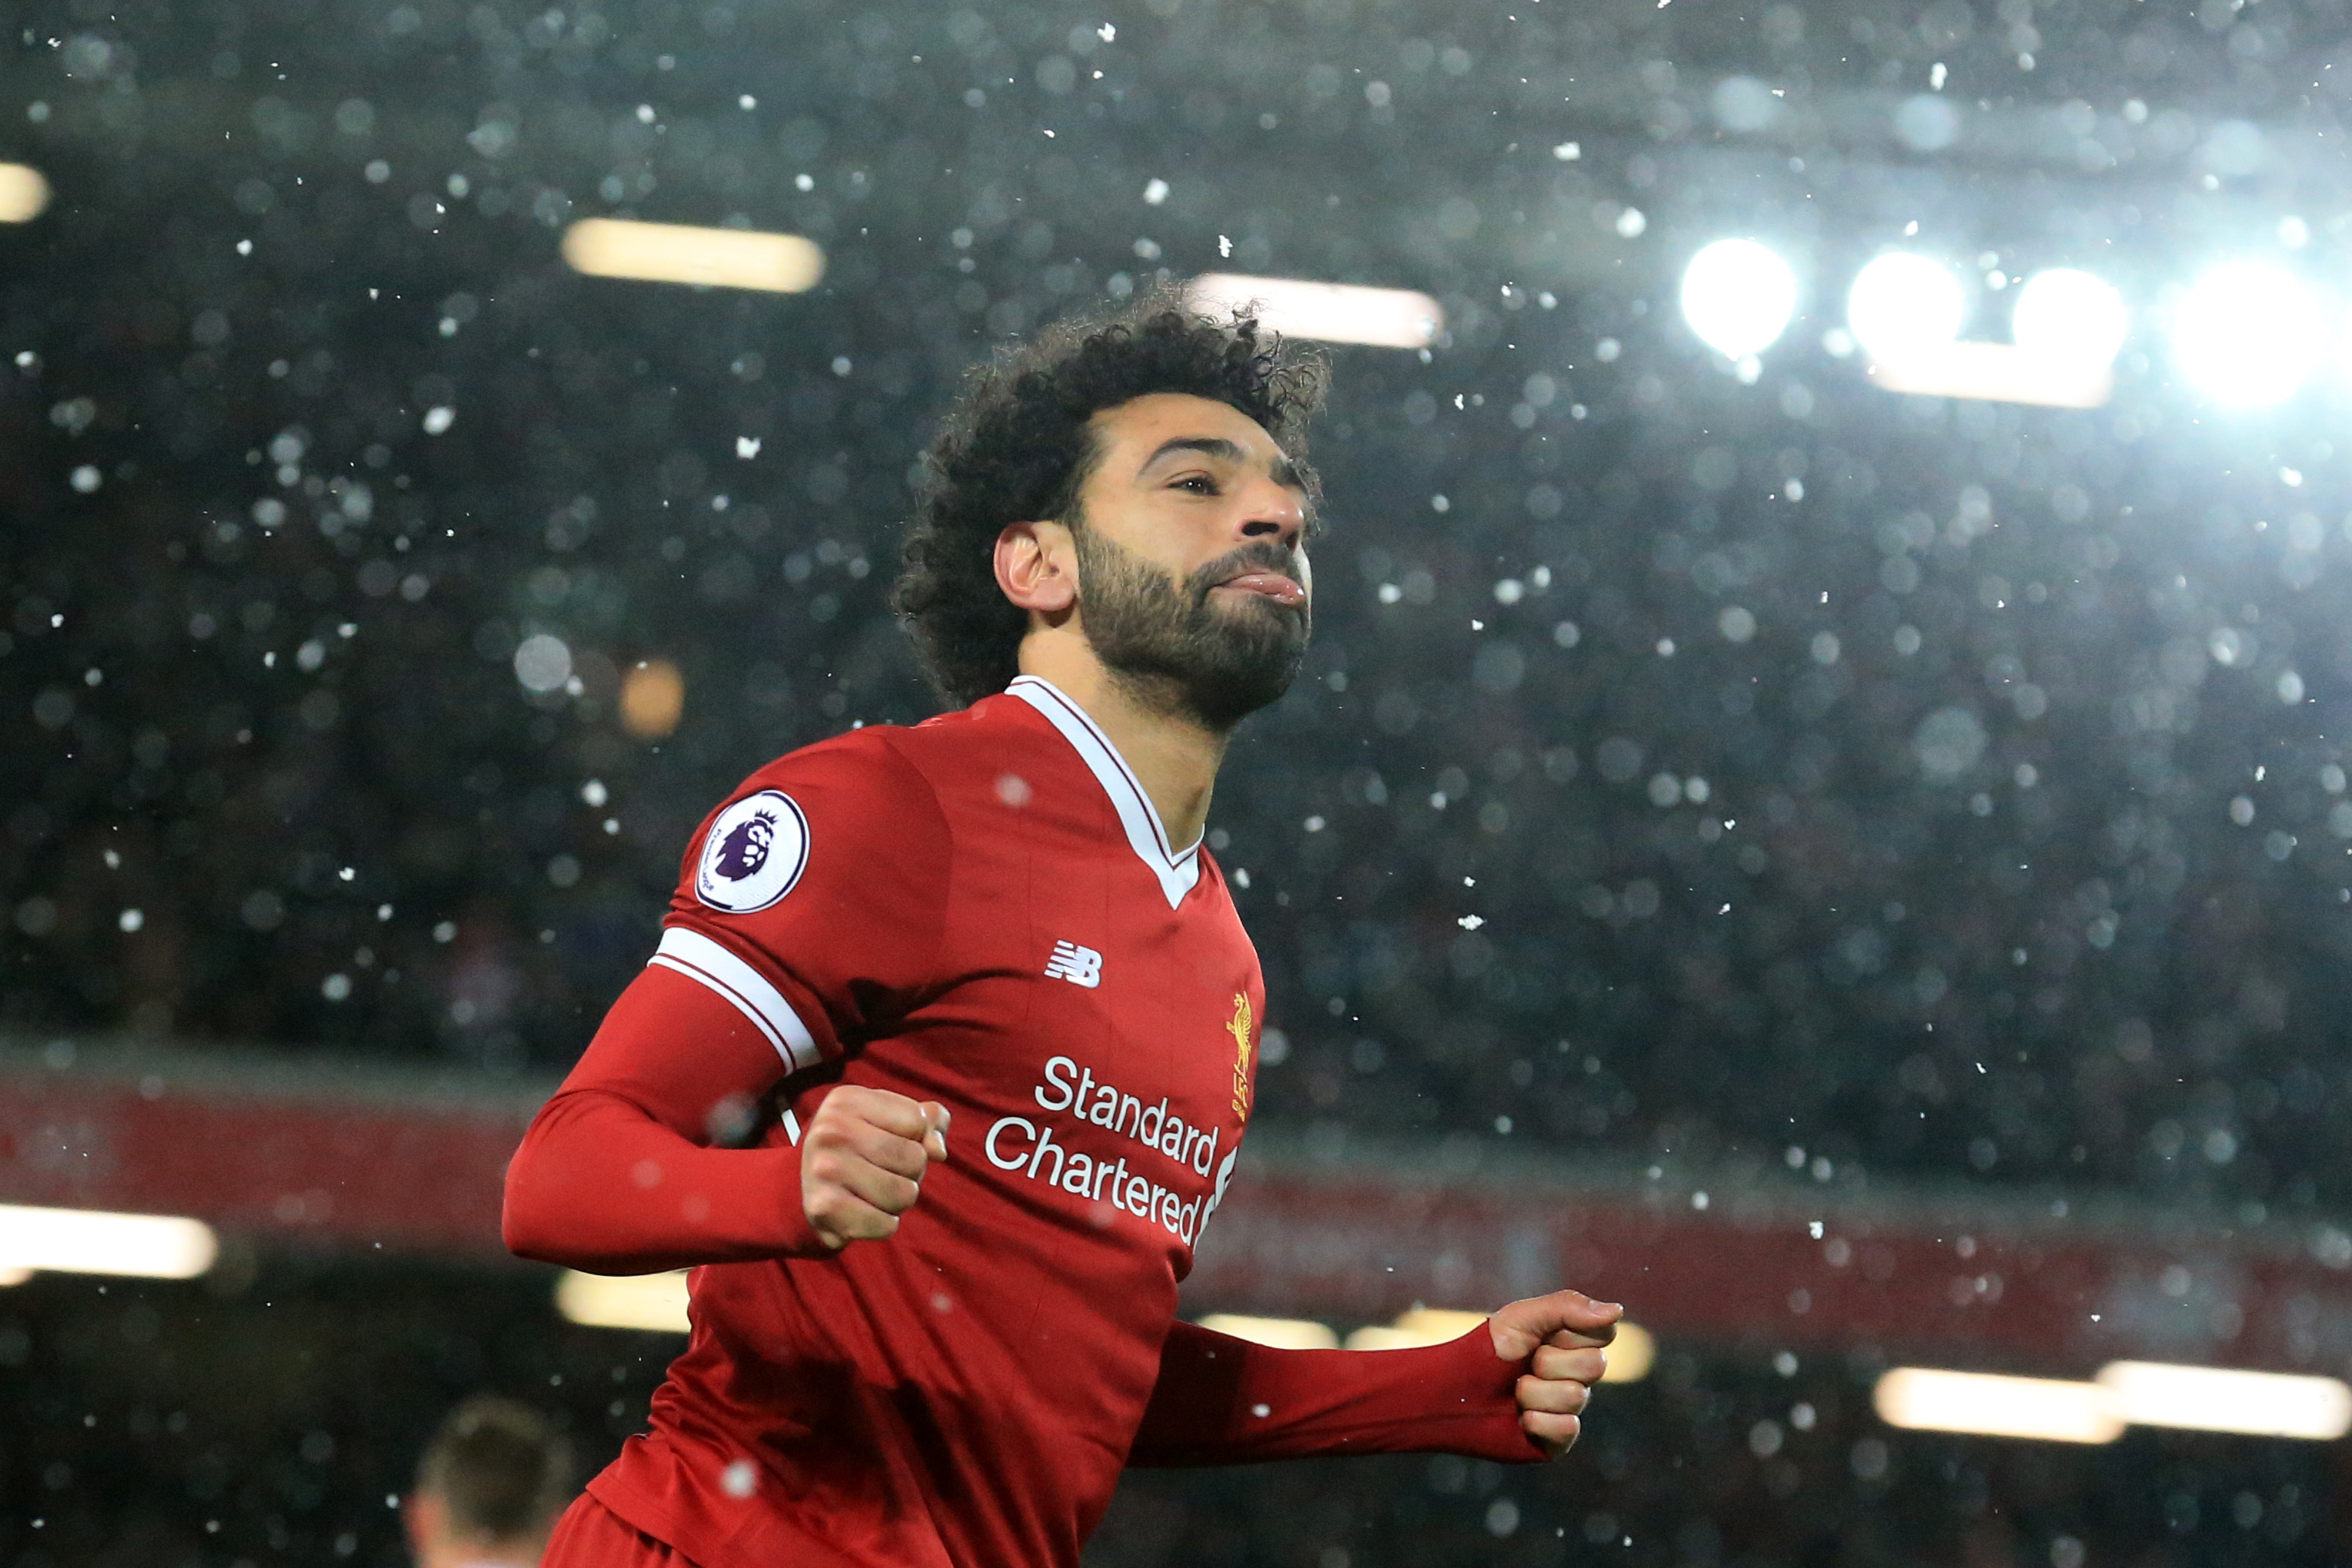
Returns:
point(1674, 751)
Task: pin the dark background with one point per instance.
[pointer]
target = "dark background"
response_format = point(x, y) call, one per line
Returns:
point(298, 749)
point(154, 1424)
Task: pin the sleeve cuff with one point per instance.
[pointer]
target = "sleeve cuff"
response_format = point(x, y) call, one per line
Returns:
point(1484, 1422)
point(794, 1237)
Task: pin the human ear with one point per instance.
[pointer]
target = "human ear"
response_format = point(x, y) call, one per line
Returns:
point(1036, 569)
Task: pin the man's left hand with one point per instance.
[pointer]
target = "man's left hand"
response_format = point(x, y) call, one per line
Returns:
point(1565, 1333)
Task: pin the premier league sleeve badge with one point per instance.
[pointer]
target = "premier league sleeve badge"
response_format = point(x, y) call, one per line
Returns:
point(753, 854)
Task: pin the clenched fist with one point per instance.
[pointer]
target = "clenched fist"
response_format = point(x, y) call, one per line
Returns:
point(863, 1159)
point(1565, 1337)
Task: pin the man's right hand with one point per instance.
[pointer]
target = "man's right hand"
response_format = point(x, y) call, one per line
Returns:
point(863, 1159)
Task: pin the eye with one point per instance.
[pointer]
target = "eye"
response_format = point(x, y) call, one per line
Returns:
point(1199, 484)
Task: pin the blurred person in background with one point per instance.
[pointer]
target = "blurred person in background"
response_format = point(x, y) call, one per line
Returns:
point(490, 1488)
point(1005, 915)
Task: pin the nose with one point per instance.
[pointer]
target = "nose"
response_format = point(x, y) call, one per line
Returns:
point(1272, 512)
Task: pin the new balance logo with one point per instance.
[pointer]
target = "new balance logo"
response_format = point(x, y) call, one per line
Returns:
point(1078, 966)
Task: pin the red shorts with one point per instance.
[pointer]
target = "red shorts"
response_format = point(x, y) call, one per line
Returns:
point(591, 1535)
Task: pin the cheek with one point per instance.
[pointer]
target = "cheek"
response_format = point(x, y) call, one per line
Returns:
point(1165, 546)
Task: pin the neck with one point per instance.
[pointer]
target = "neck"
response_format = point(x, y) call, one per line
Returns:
point(1174, 757)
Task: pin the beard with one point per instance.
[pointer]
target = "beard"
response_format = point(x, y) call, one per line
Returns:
point(1172, 647)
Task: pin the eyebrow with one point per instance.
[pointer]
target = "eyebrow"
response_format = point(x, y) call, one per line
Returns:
point(1285, 472)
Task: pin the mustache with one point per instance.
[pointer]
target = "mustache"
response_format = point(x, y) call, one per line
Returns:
point(1254, 557)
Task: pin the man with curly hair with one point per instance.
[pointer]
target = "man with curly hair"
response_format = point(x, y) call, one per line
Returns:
point(1004, 916)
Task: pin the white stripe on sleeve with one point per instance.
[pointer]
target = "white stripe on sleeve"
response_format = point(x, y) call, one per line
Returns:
point(692, 954)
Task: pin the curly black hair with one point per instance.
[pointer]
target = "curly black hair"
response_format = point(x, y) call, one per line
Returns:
point(1017, 446)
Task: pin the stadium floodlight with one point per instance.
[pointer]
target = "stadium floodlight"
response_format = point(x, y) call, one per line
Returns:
point(680, 253)
point(2247, 334)
point(1998, 372)
point(1904, 306)
point(2219, 1399)
point(1631, 1354)
point(1929, 1400)
point(1421, 1326)
point(1282, 1334)
point(2071, 318)
point(1906, 311)
point(23, 193)
point(650, 1303)
point(1329, 312)
point(88, 1241)
point(1739, 297)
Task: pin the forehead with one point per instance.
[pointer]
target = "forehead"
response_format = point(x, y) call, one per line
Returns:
point(1133, 430)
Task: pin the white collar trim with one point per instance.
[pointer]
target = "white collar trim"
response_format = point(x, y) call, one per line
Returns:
point(1178, 871)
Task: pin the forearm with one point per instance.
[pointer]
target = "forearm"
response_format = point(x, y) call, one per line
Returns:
point(616, 1175)
point(1224, 1401)
point(601, 1186)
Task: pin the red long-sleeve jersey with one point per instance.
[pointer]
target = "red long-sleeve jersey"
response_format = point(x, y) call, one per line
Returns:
point(983, 910)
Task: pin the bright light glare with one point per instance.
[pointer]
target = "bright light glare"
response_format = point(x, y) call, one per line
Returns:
point(1631, 1354)
point(1282, 1334)
point(676, 253)
point(1904, 305)
point(653, 698)
point(1421, 1326)
point(86, 1241)
point(654, 1303)
point(1997, 373)
point(23, 193)
point(2071, 317)
point(1332, 312)
point(1739, 297)
point(2247, 334)
point(1926, 1399)
point(2217, 1399)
